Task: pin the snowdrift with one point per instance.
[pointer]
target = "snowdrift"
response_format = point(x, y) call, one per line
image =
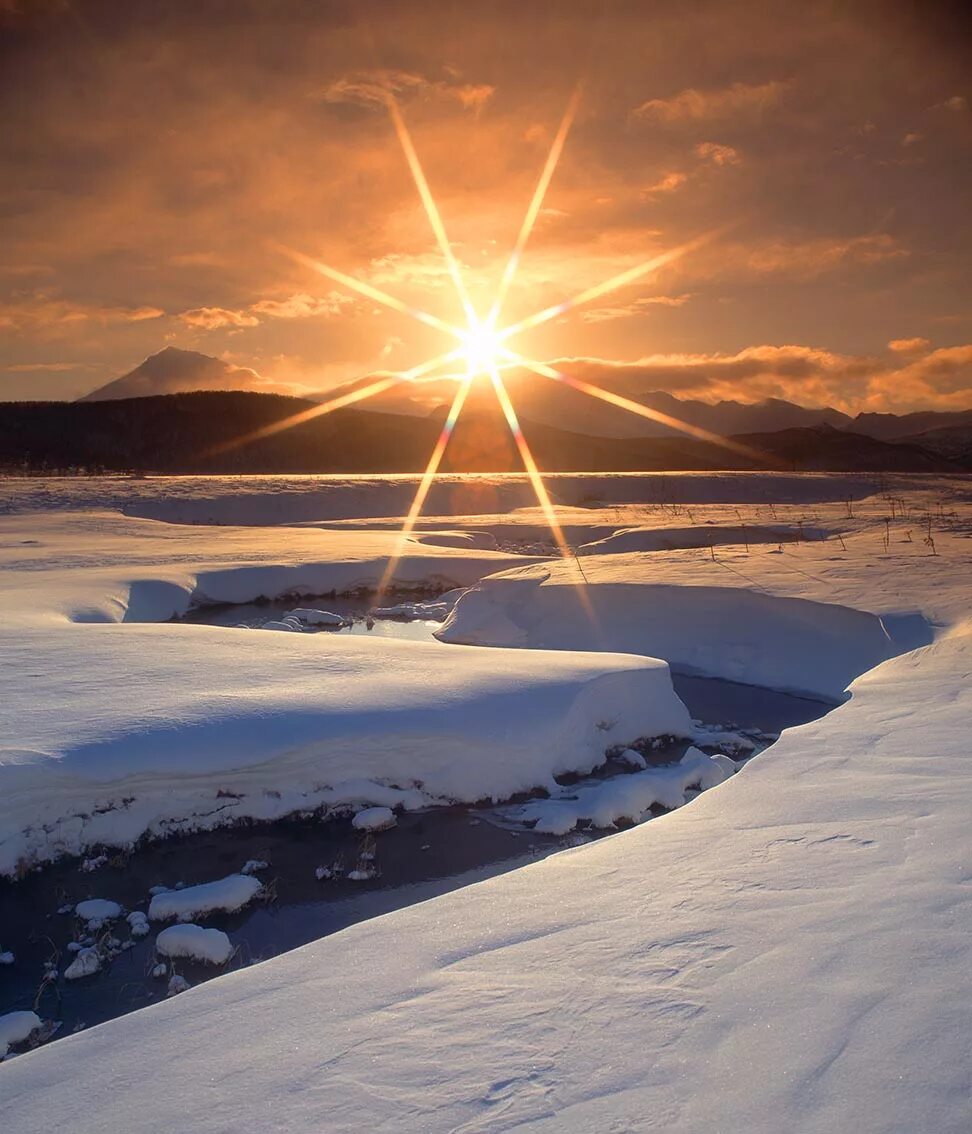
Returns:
point(791, 644)
point(175, 728)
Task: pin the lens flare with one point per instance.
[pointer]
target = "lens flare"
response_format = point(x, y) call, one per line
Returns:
point(482, 345)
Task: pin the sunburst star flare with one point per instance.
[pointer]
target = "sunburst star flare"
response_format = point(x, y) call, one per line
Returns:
point(483, 344)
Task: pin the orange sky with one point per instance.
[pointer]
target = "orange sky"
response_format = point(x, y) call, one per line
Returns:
point(157, 156)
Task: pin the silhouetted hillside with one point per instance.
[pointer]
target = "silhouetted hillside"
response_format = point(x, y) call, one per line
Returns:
point(233, 432)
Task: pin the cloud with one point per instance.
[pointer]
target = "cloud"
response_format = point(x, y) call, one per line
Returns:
point(956, 103)
point(809, 258)
point(50, 367)
point(40, 312)
point(911, 139)
point(372, 89)
point(668, 184)
point(727, 102)
point(807, 375)
point(909, 346)
point(718, 154)
point(302, 305)
point(636, 307)
point(213, 318)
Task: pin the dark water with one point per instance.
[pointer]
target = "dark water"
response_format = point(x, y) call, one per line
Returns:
point(428, 853)
point(254, 615)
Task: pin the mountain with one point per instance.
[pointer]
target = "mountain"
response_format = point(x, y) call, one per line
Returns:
point(174, 371)
point(538, 399)
point(549, 403)
point(238, 432)
point(890, 426)
point(954, 442)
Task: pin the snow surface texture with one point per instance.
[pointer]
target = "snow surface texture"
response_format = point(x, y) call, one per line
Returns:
point(788, 953)
point(282, 723)
point(211, 946)
point(227, 895)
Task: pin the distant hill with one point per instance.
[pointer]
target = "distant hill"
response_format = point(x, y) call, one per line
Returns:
point(175, 371)
point(233, 432)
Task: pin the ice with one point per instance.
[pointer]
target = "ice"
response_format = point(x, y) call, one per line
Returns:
point(209, 945)
point(15, 1027)
point(228, 894)
point(277, 624)
point(86, 963)
point(374, 819)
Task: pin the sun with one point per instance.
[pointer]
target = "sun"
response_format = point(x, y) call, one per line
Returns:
point(482, 348)
point(483, 344)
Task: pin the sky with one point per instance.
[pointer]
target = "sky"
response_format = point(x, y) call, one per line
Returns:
point(161, 162)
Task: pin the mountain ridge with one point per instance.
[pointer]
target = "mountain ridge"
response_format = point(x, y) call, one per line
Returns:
point(174, 371)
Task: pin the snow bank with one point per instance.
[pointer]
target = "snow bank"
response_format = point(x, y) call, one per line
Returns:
point(196, 943)
point(228, 895)
point(790, 644)
point(15, 1027)
point(284, 724)
point(698, 535)
point(602, 803)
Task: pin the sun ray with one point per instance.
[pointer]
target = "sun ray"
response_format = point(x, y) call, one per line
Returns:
point(431, 209)
point(612, 284)
point(536, 480)
point(637, 408)
point(535, 205)
point(371, 292)
point(418, 503)
point(378, 386)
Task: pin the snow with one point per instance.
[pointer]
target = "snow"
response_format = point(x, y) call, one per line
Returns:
point(15, 1027)
point(86, 963)
point(278, 624)
point(671, 538)
point(209, 945)
point(317, 617)
point(602, 803)
point(228, 894)
point(374, 819)
point(253, 866)
point(790, 951)
point(138, 924)
point(98, 909)
point(7, 958)
point(785, 643)
point(282, 722)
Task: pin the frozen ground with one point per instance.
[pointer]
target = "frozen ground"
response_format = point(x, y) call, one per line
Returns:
point(789, 952)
